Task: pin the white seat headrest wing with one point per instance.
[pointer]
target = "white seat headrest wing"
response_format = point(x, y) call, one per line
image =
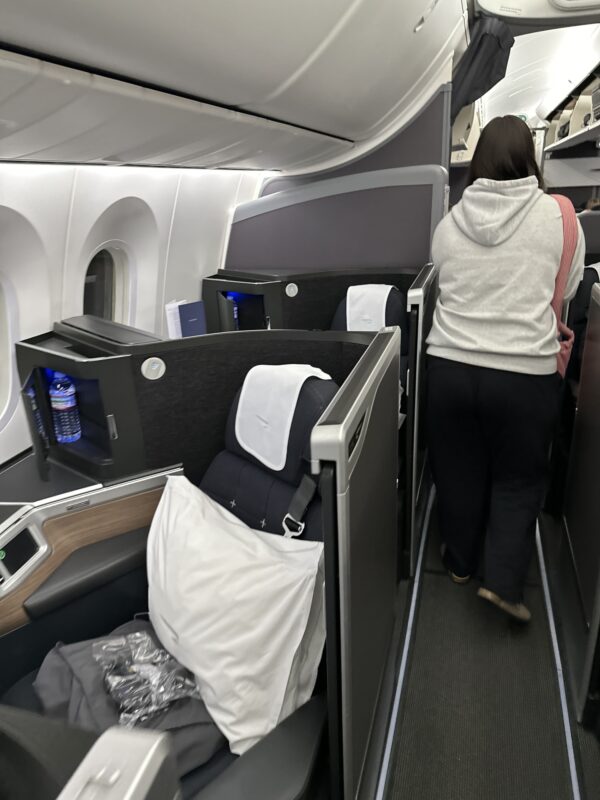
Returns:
point(266, 409)
point(365, 306)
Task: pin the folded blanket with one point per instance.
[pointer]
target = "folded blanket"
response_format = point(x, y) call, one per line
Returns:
point(71, 686)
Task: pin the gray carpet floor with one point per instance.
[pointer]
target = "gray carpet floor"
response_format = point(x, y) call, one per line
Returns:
point(481, 717)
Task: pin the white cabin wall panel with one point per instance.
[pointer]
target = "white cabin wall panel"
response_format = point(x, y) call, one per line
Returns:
point(34, 210)
point(38, 197)
point(201, 221)
point(168, 226)
point(128, 209)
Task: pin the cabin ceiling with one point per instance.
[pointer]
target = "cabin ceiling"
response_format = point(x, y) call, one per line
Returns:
point(543, 69)
point(270, 84)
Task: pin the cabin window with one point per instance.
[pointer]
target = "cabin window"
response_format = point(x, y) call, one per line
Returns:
point(99, 291)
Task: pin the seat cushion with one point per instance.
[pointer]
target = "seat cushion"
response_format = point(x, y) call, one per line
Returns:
point(256, 496)
point(23, 695)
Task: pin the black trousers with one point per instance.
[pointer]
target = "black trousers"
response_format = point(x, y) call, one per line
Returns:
point(489, 434)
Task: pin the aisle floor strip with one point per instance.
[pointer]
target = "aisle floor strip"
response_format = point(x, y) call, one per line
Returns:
point(387, 755)
point(559, 669)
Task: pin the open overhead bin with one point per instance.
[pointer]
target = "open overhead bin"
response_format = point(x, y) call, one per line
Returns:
point(544, 70)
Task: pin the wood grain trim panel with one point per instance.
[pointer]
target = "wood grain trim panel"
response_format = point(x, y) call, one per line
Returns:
point(70, 532)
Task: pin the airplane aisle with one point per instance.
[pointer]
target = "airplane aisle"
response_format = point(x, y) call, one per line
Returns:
point(480, 714)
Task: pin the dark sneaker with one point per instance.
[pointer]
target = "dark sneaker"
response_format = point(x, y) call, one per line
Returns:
point(460, 579)
point(515, 610)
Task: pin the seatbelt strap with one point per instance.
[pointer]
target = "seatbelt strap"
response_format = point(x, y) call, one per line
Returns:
point(293, 524)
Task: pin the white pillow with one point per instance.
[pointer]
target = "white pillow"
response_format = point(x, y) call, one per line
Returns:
point(240, 608)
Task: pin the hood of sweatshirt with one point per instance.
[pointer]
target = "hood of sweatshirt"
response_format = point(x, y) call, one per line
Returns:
point(491, 211)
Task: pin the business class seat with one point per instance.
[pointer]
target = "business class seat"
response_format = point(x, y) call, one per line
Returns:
point(263, 499)
point(392, 313)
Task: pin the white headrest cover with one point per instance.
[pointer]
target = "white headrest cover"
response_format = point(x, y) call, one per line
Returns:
point(266, 409)
point(365, 306)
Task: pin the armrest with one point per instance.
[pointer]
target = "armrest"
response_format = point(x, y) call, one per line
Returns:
point(87, 569)
point(132, 764)
point(38, 755)
point(280, 766)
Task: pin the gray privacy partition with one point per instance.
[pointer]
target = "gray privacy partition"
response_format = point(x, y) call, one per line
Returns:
point(384, 218)
point(582, 520)
point(421, 300)
point(354, 448)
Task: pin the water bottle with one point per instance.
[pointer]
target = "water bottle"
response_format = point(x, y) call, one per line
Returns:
point(37, 416)
point(65, 415)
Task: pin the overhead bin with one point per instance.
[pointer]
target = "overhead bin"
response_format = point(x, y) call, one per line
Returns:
point(571, 172)
point(352, 69)
point(53, 113)
point(583, 113)
point(525, 16)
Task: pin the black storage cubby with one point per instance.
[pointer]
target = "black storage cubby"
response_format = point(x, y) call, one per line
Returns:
point(111, 443)
point(302, 301)
point(134, 421)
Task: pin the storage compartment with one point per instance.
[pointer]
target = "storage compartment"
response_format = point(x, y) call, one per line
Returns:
point(110, 444)
point(242, 311)
point(16, 553)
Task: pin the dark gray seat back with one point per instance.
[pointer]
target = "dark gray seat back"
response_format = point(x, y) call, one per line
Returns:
point(261, 497)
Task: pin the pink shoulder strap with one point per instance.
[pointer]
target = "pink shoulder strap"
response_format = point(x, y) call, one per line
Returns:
point(570, 235)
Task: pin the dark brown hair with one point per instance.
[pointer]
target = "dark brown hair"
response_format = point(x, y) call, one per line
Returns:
point(505, 152)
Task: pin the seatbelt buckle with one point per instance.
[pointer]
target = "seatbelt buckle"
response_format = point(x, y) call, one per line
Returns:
point(292, 527)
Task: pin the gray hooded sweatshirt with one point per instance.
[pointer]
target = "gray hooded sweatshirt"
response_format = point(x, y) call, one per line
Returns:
point(497, 254)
